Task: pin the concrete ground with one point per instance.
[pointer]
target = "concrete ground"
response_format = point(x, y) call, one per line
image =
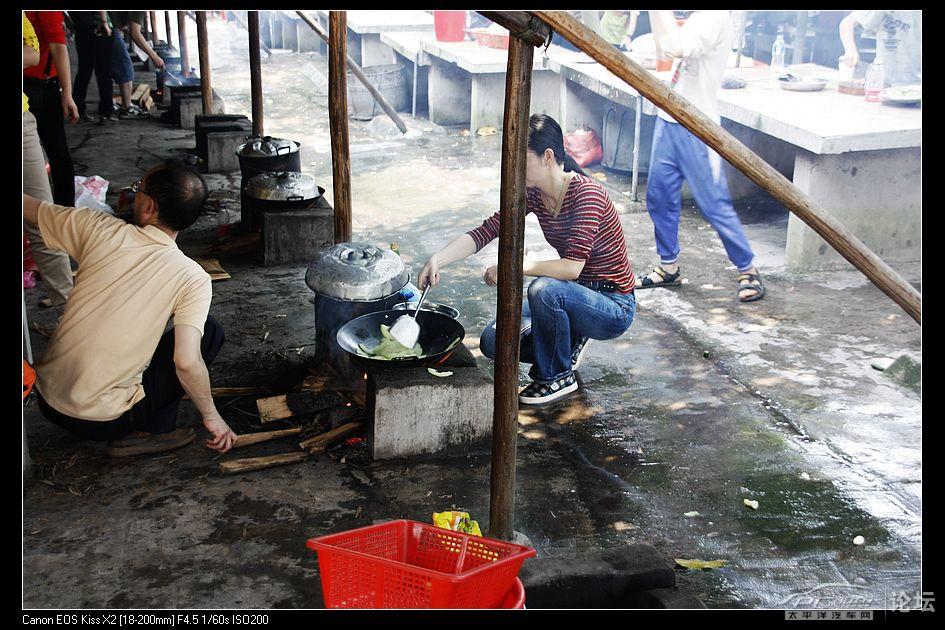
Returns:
point(703, 403)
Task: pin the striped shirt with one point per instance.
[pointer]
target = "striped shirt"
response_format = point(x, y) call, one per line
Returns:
point(587, 228)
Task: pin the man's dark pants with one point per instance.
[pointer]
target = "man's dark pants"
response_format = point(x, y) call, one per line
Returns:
point(95, 54)
point(46, 106)
point(157, 412)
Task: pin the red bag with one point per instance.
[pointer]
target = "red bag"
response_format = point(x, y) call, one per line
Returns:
point(584, 146)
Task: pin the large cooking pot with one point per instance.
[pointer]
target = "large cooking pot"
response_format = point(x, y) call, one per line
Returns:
point(278, 191)
point(263, 155)
point(440, 335)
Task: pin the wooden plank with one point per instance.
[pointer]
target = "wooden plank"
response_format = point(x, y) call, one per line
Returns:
point(263, 436)
point(518, 85)
point(741, 157)
point(338, 119)
point(140, 92)
point(323, 440)
point(249, 464)
point(212, 267)
point(300, 404)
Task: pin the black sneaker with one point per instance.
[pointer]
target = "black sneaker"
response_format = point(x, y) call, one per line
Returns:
point(111, 119)
point(541, 393)
point(577, 354)
point(132, 112)
point(86, 118)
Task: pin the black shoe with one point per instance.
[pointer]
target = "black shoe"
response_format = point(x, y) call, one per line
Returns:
point(577, 354)
point(111, 119)
point(132, 112)
point(86, 118)
point(541, 393)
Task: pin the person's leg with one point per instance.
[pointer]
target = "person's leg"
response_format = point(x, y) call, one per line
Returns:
point(157, 412)
point(52, 133)
point(487, 338)
point(122, 69)
point(663, 193)
point(702, 169)
point(85, 50)
point(53, 264)
point(103, 74)
point(87, 429)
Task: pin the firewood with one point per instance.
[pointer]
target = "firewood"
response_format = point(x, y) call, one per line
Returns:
point(264, 436)
point(249, 464)
point(323, 440)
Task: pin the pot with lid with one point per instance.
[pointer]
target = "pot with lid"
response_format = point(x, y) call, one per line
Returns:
point(276, 191)
point(264, 154)
point(350, 280)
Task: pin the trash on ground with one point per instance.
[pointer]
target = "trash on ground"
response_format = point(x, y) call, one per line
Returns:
point(487, 131)
point(439, 374)
point(752, 504)
point(859, 540)
point(701, 564)
point(692, 514)
point(457, 522)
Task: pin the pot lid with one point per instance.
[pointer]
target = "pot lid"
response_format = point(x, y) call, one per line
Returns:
point(282, 186)
point(358, 272)
point(267, 147)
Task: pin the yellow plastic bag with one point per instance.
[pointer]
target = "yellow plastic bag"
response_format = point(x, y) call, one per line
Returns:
point(457, 522)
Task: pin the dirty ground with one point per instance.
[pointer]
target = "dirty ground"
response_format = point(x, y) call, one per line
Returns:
point(703, 403)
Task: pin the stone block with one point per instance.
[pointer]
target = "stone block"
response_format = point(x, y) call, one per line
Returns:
point(416, 413)
point(275, 30)
point(221, 151)
point(290, 33)
point(293, 236)
point(449, 94)
point(308, 40)
point(192, 106)
point(906, 372)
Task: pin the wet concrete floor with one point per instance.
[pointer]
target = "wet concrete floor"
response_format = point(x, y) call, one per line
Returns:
point(703, 403)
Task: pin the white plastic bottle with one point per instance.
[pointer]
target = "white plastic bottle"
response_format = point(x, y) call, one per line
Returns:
point(875, 80)
point(777, 54)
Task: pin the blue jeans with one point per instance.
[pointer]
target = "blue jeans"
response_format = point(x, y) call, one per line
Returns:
point(555, 315)
point(122, 69)
point(679, 155)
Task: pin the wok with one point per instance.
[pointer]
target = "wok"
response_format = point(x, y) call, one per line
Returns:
point(440, 335)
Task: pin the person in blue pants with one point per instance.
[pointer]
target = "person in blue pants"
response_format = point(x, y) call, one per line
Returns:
point(701, 47)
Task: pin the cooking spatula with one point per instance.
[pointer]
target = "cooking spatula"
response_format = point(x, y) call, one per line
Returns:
point(406, 330)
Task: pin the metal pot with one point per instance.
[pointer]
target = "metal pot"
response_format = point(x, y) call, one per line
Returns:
point(274, 192)
point(433, 307)
point(262, 155)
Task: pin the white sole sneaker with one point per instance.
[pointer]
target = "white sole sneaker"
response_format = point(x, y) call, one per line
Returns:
point(540, 400)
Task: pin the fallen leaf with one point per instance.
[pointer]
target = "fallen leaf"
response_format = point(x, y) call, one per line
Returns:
point(75, 491)
point(701, 564)
point(358, 513)
point(343, 460)
point(691, 514)
point(487, 131)
point(266, 336)
point(805, 476)
point(601, 176)
point(47, 482)
point(622, 526)
point(464, 133)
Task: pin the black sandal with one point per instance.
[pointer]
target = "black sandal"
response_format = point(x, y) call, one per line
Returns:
point(668, 279)
point(750, 281)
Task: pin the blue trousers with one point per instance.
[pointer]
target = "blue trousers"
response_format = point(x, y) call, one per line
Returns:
point(679, 155)
point(122, 68)
point(555, 315)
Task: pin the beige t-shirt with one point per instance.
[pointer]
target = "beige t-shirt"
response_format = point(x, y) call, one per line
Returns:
point(130, 281)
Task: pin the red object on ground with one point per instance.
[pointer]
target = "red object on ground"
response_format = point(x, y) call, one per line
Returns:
point(449, 26)
point(516, 596)
point(407, 564)
point(29, 377)
point(584, 146)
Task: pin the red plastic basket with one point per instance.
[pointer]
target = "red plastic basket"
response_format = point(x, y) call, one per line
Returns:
point(406, 564)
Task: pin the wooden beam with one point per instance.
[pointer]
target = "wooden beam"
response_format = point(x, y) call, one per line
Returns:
point(322, 441)
point(742, 158)
point(263, 436)
point(255, 73)
point(338, 118)
point(522, 25)
point(249, 464)
point(203, 49)
point(182, 43)
point(359, 73)
point(518, 86)
point(167, 28)
point(152, 17)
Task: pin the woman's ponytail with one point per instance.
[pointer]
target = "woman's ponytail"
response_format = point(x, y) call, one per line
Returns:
point(571, 166)
point(544, 132)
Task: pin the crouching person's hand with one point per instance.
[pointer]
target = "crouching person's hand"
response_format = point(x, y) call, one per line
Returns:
point(221, 437)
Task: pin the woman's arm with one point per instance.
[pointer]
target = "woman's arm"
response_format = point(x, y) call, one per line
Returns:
point(561, 269)
point(459, 248)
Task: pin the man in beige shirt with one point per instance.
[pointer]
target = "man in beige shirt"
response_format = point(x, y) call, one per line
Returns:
point(111, 372)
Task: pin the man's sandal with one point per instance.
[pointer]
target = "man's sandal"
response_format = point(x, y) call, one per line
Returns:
point(666, 279)
point(750, 281)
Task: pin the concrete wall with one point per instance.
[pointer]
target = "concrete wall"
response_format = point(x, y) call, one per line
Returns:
point(450, 91)
point(375, 53)
point(875, 194)
point(775, 152)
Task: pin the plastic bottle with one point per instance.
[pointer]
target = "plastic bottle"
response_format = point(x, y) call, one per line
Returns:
point(777, 53)
point(223, 220)
point(875, 80)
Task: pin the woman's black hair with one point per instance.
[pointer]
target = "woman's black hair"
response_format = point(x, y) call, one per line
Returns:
point(544, 132)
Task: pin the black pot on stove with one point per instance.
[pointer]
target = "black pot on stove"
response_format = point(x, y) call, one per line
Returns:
point(267, 154)
point(275, 192)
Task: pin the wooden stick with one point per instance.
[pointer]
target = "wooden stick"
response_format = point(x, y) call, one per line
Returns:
point(152, 18)
point(249, 464)
point(264, 436)
point(255, 73)
point(338, 118)
point(182, 43)
point(742, 158)
point(359, 73)
point(203, 49)
point(323, 440)
point(518, 85)
point(167, 28)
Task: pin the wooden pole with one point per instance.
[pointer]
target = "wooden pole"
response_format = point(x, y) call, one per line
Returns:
point(167, 28)
point(203, 49)
point(182, 42)
point(518, 85)
point(152, 15)
point(359, 73)
point(742, 158)
point(239, 20)
point(338, 119)
point(255, 73)
point(800, 36)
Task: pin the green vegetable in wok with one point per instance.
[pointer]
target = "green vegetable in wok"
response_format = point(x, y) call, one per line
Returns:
point(389, 348)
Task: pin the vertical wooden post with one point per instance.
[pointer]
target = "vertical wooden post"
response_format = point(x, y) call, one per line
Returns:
point(338, 117)
point(800, 37)
point(152, 15)
point(167, 28)
point(182, 40)
point(518, 85)
point(203, 49)
point(255, 73)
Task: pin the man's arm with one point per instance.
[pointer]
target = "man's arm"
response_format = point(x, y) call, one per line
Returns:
point(138, 38)
point(31, 210)
point(60, 57)
point(194, 377)
point(851, 56)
